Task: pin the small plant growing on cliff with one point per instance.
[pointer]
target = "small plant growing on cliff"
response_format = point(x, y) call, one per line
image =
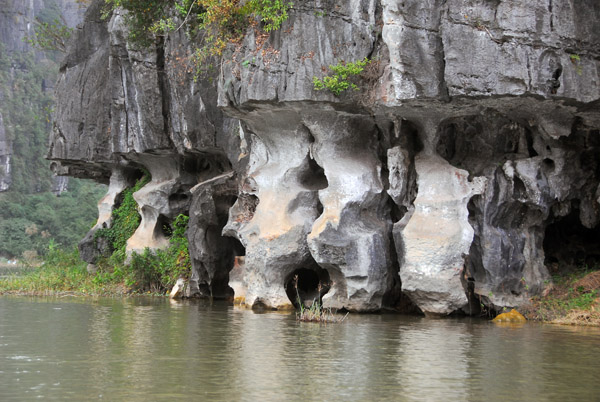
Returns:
point(339, 81)
point(50, 36)
point(576, 61)
point(50, 30)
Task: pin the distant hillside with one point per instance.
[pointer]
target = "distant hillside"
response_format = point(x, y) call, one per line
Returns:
point(30, 213)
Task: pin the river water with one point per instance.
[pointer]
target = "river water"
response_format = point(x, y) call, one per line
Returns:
point(152, 349)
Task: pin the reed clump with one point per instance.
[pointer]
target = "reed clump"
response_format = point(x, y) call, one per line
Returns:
point(315, 312)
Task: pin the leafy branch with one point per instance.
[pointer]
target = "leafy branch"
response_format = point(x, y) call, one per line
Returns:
point(339, 81)
point(50, 36)
point(218, 22)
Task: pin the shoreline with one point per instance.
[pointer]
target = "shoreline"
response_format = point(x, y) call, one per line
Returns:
point(574, 317)
point(572, 299)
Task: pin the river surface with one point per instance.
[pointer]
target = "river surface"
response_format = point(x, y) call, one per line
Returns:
point(152, 349)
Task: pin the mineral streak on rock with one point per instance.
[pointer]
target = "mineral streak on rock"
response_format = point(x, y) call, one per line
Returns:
point(446, 178)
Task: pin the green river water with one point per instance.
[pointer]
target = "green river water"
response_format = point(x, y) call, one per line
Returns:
point(152, 349)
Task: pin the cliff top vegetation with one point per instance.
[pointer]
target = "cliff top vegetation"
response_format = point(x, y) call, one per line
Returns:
point(215, 23)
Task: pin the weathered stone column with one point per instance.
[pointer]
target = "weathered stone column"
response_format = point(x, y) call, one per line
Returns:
point(351, 237)
point(279, 176)
point(433, 240)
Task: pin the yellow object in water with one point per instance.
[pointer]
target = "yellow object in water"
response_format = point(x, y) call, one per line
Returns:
point(511, 316)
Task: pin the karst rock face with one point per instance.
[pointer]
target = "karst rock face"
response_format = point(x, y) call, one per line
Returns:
point(17, 25)
point(449, 178)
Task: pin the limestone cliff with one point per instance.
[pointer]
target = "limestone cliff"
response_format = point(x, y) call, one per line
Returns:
point(17, 19)
point(17, 23)
point(463, 168)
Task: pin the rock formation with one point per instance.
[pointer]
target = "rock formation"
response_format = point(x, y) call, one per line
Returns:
point(17, 23)
point(444, 179)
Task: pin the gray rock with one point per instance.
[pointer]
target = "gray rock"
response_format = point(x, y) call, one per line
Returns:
point(433, 239)
point(211, 253)
point(178, 289)
point(463, 167)
point(92, 246)
point(126, 110)
point(350, 239)
point(91, 269)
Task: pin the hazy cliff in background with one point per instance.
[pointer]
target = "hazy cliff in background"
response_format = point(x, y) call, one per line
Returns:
point(30, 214)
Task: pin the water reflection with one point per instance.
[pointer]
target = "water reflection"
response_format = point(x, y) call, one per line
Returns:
point(150, 349)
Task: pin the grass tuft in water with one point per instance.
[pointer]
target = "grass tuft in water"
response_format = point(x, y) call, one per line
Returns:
point(315, 312)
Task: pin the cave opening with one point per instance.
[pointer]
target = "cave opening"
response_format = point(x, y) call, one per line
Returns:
point(179, 201)
point(569, 246)
point(237, 247)
point(312, 176)
point(307, 285)
point(132, 176)
point(164, 227)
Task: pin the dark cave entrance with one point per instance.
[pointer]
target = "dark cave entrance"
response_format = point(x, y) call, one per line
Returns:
point(312, 176)
point(308, 284)
point(570, 246)
point(164, 227)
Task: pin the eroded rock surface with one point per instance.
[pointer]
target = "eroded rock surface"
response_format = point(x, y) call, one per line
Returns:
point(444, 179)
point(435, 236)
point(125, 111)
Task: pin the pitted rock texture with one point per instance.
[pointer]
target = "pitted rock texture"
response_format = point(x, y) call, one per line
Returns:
point(123, 111)
point(351, 237)
point(436, 235)
point(450, 177)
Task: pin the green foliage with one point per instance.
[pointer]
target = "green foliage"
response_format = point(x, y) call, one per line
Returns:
point(572, 294)
point(152, 271)
point(30, 215)
point(51, 32)
point(50, 36)
point(146, 18)
point(218, 22)
point(339, 81)
point(30, 222)
point(576, 61)
point(62, 271)
point(159, 270)
point(125, 219)
point(271, 12)
point(25, 108)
